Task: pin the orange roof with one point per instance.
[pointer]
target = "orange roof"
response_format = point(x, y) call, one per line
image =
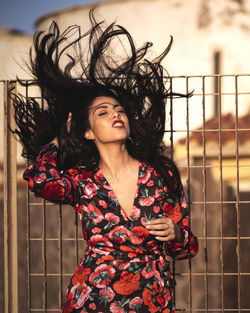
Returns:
point(228, 130)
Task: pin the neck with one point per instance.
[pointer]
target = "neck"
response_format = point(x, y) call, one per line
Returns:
point(114, 160)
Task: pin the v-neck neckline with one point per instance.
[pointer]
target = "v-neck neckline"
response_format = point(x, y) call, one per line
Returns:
point(99, 172)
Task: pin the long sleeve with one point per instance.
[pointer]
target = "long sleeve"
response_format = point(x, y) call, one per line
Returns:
point(46, 181)
point(178, 211)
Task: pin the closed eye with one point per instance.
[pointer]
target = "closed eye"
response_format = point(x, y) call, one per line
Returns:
point(102, 113)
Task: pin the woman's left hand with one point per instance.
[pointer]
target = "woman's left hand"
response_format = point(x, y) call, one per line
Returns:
point(165, 230)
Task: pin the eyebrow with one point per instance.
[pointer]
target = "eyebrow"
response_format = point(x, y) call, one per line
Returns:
point(103, 106)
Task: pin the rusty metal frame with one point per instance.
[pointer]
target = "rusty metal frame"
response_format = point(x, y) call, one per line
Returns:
point(10, 208)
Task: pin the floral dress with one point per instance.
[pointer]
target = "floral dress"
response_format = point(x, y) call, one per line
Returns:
point(124, 269)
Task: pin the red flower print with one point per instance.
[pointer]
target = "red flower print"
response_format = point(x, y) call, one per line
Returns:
point(144, 221)
point(40, 178)
point(85, 236)
point(31, 184)
point(92, 306)
point(73, 171)
point(147, 174)
point(121, 264)
point(54, 173)
point(135, 303)
point(157, 193)
point(123, 214)
point(111, 195)
point(156, 209)
point(105, 258)
point(185, 222)
point(94, 213)
point(52, 190)
point(147, 299)
point(173, 212)
point(112, 218)
point(140, 231)
point(90, 189)
point(69, 304)
point(160, 299)
point(96, 230)
point(99, 240)
point(107, 293)
point(147, 201)
point(81, 275)
point(126, 249)
point(184, 203)
point(102, 275)
point(193, 243)
point(103, 204)
point(127, 284)
point(116, 307)
point(149, 270)
point(135, 213)
point(83, 296)
point(138, 235)
point(119, 234)
point(150, 183)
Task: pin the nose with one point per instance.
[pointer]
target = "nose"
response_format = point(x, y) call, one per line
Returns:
point(116, 114)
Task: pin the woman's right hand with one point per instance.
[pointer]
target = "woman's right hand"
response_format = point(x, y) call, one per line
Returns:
point(55, 140)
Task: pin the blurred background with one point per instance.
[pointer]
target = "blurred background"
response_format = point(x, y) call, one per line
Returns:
point(208, 136)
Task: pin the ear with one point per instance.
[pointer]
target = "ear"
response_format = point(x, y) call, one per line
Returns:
point(89, 135)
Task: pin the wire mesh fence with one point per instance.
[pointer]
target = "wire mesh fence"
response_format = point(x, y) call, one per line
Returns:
point(208, 137)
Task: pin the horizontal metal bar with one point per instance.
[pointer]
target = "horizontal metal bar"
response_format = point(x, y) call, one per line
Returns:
point(213, 310)
point(212, 274)
point(199, 237)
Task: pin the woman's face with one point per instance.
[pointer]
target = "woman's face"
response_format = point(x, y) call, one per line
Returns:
point(108, 122)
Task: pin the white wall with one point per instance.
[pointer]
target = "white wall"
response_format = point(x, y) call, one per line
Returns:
point(199, 29)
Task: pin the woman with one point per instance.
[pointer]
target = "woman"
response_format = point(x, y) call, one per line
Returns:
point(105, 157)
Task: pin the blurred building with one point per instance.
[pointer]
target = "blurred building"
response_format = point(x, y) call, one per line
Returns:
point(210, 38)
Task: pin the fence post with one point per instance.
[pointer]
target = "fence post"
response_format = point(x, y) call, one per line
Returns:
point(10, 207)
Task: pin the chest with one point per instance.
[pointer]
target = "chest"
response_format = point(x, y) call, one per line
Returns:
point(125, 191)
point(130, 204)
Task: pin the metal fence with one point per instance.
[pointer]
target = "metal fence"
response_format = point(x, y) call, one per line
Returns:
point(208, 136)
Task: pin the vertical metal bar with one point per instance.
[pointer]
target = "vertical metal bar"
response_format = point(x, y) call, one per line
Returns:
point(44, 237)
point(60, 256)
point(172, 155)
point(44, 258)
point(28, 237)
point(28, 247)
point(237, 190)
point(204, 193)
point(76, 240)
point(188, 190)
point(221, 191)
point(171, 120)
point(10, 207)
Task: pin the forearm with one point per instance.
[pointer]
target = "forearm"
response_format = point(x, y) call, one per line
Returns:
point(45, 179)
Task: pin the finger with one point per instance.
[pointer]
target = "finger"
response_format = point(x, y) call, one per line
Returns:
point(159, 221)
point(165, 238)
point(159, 226)
point(161, 233)
point(69, 122)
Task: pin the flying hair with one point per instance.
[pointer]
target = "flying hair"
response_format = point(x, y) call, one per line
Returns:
point(71, 75)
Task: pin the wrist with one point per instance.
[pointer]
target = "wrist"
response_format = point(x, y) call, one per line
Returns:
point(179, 235)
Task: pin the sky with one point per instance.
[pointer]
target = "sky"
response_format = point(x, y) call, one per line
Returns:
point(22, 14)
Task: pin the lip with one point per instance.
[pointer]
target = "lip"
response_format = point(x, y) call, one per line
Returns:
point(120, 124)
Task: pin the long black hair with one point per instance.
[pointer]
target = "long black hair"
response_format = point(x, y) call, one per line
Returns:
point(71, 77)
